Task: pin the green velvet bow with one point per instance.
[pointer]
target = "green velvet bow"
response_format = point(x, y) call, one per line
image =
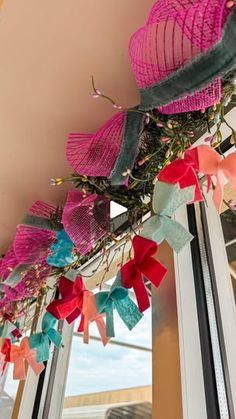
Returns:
point(166, 199)
point(41, 341)
point(118, 299)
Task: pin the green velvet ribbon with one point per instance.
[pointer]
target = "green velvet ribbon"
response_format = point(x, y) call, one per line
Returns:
point(166, 199)
point(41, 222)
point(16, 275)
point(118, 299)
point(130, 145)
point(41, 341)
point(207, 66)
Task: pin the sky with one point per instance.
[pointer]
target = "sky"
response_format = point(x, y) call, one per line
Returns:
point(94, 368)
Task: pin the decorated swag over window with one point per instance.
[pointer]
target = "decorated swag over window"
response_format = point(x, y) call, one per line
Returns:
point(143, 158)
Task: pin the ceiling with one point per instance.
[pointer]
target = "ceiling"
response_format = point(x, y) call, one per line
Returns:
point(49, 50)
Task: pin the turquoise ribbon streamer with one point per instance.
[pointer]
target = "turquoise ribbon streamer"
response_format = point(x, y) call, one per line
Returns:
point(41, 341)
point(61, 251)
point(118, 299)
point(167, 198)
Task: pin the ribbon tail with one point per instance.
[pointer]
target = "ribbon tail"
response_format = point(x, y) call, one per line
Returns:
point(19, 369)
point(37, 368)
point(102, 330)
point(141, 294)
point(110, 332)
point(128, 311)
point(86, 324)
point(54, 337)
point(176, 235)
point(218, 191)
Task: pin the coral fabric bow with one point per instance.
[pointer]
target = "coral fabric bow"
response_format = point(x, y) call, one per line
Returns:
point(118, 299)
point(68, 307)
point(143, 264)
point(90, 314)
point(20, 354)
point(166, 199)
point(41, 341)
point(210, 163)
point(183, 171)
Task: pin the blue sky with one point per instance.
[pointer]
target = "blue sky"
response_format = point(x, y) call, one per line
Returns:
point(94, 368)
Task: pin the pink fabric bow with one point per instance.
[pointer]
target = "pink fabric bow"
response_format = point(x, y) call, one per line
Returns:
point(143, 264)
point(86, 220)
point(210, 163)
point(90, 314)
point(20, 354)
point(183, 171)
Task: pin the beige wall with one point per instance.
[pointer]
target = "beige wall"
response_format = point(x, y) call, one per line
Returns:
point(49, 50)
point(139, 394)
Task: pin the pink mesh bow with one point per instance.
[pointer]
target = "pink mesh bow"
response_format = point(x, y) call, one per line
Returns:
point(20, 354)
point(90, 314)
point(86, 220)
point(32, 243)
point(96, 154)
point(177, 31)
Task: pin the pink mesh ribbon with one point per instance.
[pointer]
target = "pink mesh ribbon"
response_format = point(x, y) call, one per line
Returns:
point(175, 33)
point(8, 263)
point(20, 355)
point(210, 163)
point(32, 242)
point(86, 220)
point(90, 314)
point(30, 284)
point(96, 154)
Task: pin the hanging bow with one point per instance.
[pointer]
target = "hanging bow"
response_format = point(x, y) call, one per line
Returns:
point(118, 299)
point(70, 305)
point(5, 357)
point(166, 199)
point(90, 314)
point(210, 163)
point(143, 264)
point(61, 251)
point(86, 220)
point(6, 349)
point(20, 354)
point(183, 171)
point(41, 341)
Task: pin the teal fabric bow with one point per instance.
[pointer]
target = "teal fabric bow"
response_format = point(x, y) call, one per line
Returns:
point(166, 199)
point(41, 341)
point(118, 299)
point(61, 251)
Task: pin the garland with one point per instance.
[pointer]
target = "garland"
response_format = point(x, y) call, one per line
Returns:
point(57, 242)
